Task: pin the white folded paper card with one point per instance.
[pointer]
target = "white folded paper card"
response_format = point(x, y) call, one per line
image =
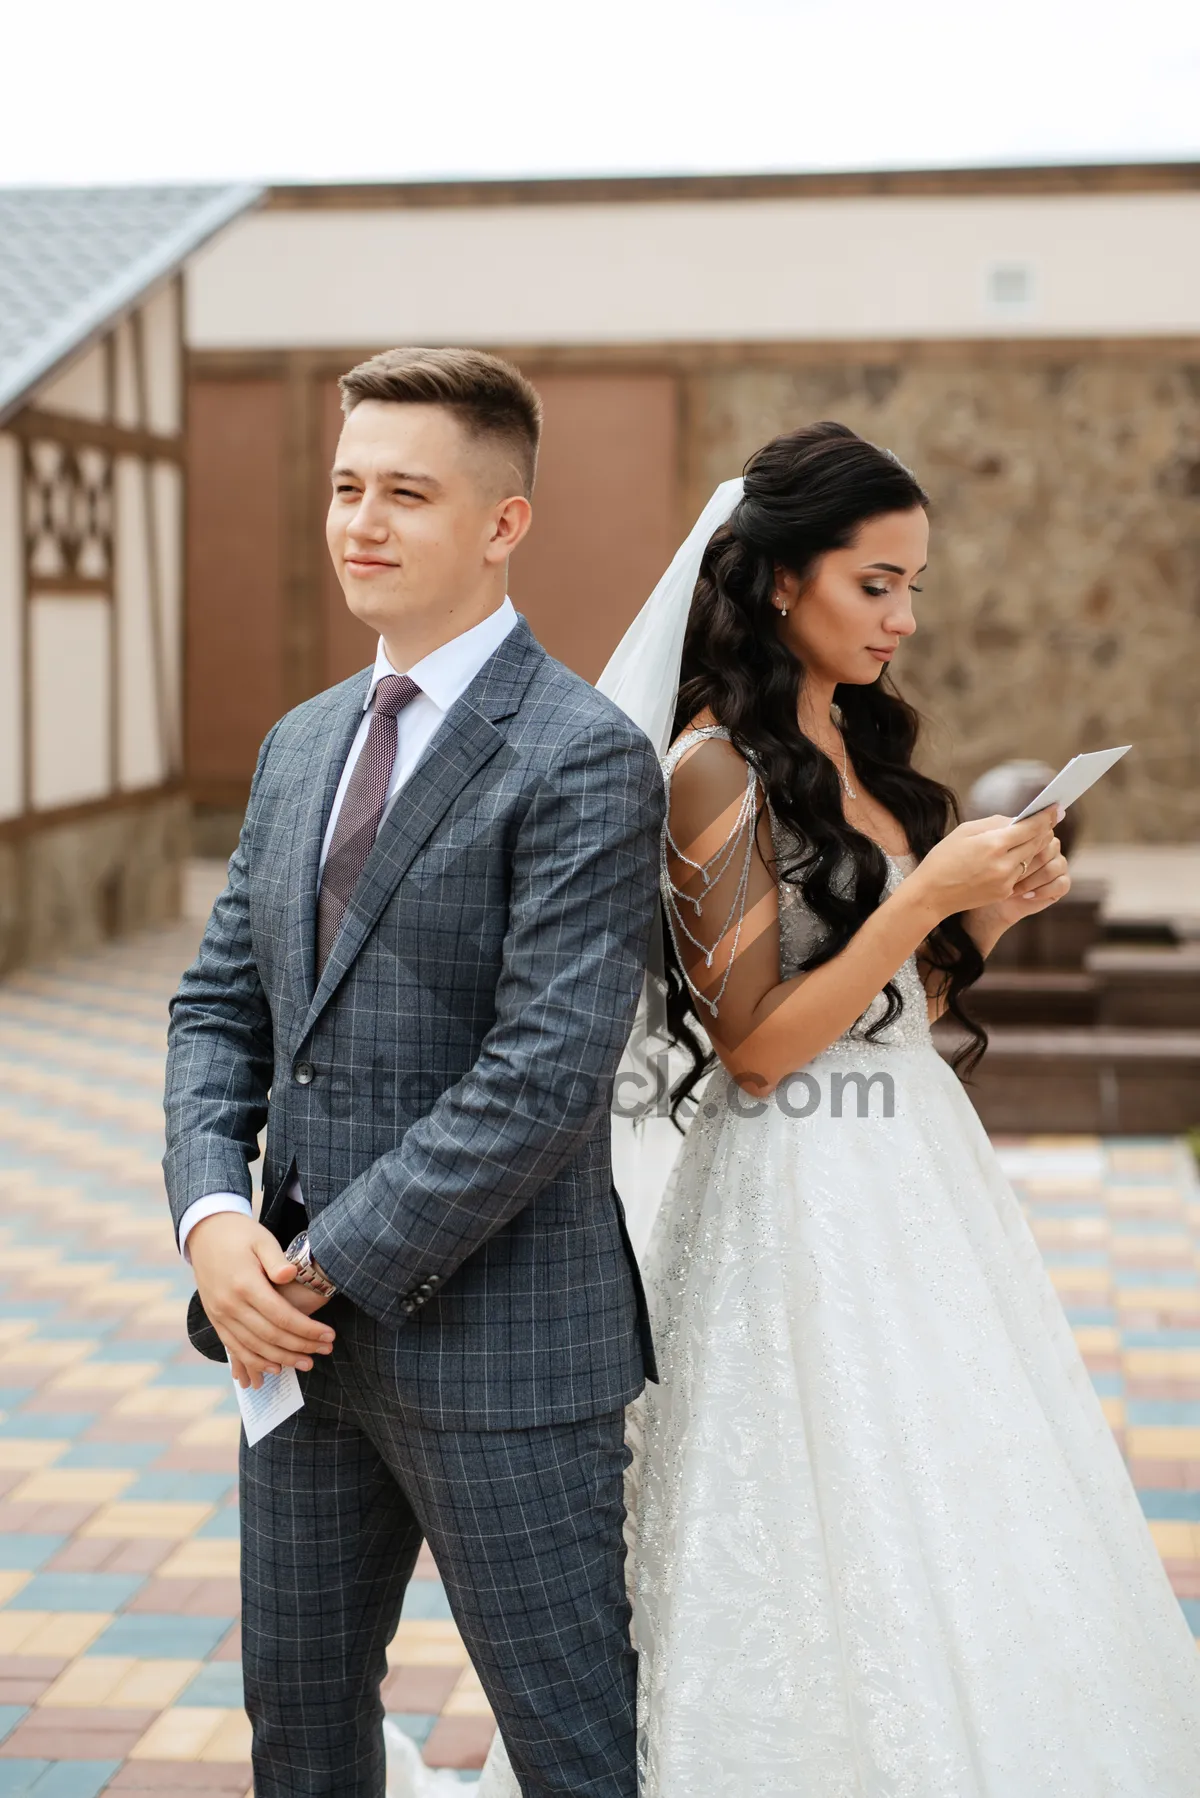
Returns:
point(265, 1409)
point(1080, 773)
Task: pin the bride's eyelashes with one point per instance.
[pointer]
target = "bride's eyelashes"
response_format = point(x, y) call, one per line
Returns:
point(882, 592)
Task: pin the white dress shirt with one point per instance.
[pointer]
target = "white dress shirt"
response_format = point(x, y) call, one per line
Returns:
point(443, 676)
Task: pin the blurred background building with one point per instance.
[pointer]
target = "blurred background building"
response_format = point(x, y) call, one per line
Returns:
point(94, 813)
point(1027, 339)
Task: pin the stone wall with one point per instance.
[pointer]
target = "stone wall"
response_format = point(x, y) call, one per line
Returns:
point(1061, 611)
point(66, 887)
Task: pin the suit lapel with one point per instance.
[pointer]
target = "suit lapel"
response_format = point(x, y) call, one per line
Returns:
point(463, 743)
point(337, 734)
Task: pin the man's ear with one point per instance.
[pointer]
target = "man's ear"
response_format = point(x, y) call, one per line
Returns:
point(510, 523)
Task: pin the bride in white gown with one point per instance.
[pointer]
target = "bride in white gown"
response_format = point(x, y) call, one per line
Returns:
point(884, 1545)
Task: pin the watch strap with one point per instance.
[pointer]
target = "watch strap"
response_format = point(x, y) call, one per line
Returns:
point(307, 1271)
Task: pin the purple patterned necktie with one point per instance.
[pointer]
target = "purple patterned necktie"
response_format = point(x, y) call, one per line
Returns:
point(362, 808)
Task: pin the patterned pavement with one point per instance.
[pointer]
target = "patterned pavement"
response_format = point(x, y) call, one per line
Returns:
point(119, 1657)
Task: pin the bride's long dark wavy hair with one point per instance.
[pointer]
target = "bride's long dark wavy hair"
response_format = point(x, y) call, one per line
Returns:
point(806, 493)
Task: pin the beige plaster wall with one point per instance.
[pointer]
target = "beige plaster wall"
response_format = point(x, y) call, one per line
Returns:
point(1061, 610)
point(80, 390)
point(729, 270)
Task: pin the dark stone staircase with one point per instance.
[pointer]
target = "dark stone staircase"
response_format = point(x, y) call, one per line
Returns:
point(1090, 1031)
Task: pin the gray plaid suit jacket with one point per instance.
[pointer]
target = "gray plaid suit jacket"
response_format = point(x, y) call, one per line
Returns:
point(443, 1091)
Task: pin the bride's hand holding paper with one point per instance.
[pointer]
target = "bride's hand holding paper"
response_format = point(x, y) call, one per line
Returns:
point(994, 872)
point(992, 863)
point(1047, 879)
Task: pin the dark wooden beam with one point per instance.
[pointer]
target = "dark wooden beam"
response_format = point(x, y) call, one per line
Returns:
point(70, 586)
point(301, 518)
point(700, 358)
point(35, 823)
point(119, 440)
point(1065, 178)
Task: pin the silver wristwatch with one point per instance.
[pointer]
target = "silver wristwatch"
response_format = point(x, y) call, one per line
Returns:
point(307, 1271)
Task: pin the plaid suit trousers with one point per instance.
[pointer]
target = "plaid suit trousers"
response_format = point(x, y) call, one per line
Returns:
point(526, 1528)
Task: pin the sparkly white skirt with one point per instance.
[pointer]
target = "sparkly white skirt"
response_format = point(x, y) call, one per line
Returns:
point(886, 1546)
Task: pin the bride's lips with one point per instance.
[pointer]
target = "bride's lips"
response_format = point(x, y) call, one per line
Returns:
point(881, 655)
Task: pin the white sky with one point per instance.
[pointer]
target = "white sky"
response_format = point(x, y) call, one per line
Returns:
point(144, 90)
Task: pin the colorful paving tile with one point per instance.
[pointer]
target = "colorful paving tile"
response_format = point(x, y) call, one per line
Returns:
point(1118, 1224)
point(119, 1659)
point(120, 1668)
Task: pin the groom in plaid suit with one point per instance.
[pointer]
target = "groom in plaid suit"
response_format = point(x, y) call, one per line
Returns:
point(420, 976)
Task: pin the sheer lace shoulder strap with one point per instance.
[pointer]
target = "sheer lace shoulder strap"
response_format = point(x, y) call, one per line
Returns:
point(722, 876)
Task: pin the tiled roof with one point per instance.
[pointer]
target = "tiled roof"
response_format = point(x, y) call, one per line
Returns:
point(73, 258)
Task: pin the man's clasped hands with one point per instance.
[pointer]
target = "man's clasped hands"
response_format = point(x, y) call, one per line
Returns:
point(248, 1288)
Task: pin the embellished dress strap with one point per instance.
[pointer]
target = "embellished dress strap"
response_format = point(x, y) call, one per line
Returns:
point(695, 733)
point(736, 851)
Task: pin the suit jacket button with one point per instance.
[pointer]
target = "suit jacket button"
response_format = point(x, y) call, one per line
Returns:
point(408, 1306)
point(434, 1280)
point(426, 1289)
point(303, 1073)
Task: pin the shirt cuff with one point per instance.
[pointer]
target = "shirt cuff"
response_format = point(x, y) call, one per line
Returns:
point(199, 1209)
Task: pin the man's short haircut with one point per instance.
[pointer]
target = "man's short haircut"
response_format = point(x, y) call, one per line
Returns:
point(491, 399)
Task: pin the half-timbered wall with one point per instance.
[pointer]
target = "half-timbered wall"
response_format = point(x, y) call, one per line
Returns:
point(92, 819)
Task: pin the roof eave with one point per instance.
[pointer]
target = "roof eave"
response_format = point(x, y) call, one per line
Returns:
point(103, 310)
point(1019, 179)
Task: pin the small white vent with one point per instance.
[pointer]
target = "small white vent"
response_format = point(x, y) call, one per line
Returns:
point(1010, 287)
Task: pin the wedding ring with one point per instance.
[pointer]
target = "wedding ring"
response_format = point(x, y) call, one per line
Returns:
point(1024, 865)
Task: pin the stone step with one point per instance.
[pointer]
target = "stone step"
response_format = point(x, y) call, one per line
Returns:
point(1057, 938)
point(1071, 1079)
point(1122, 988)
point(1156, 989)
point(1038, 996)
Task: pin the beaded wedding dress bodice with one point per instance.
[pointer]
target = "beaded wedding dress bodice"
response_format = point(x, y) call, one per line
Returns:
point(799, 928)
point(883, 1542)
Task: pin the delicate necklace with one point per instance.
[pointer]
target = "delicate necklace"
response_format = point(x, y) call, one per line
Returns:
point(835, 716)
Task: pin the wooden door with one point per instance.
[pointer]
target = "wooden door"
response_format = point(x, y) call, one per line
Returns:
point(267, 621)
point(347, 644)
point(605, 510)
point(235, 615)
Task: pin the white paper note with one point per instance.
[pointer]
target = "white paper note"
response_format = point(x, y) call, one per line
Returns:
point(1080, 773)
point(265, 1409)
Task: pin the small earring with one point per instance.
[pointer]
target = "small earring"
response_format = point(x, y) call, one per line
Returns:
point(783, 611)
